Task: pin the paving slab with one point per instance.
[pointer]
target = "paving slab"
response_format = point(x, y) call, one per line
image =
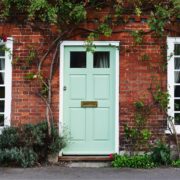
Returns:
point(67, 173)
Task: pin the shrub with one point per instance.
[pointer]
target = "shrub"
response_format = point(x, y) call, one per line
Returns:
point(137, 161)
point(9, 138)
point(24, 146)
point(23, 157)
point(161, 153)
point(176, 163)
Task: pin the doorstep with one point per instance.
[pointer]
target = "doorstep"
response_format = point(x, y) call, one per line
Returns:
point(85, 158)
point(85, 161)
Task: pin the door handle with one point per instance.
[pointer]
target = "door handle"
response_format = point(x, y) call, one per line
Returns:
point(64, 88)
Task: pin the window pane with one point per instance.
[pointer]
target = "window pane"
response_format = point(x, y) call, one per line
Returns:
point(177, 119)
point(1, 78)
point(2, 92)
point(177, 49)
point(78, 60)
point(2, 51)
point(2, 64)
point(177, 105)
point(101, 60)
point(177, 63)
point(1, 119)
point(1, 106)
point(177, 77)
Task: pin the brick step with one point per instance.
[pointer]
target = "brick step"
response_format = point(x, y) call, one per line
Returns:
point(84, 158)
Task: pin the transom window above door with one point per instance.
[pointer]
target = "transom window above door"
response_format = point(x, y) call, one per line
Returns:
point(79, 59)
point(101, 59)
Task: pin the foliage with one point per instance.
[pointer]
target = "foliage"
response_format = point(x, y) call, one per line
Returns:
point(9, 138)
point(138, 36)
point(23, 157)
point(138, 136)
point(24, 146)
point(145, 57)
point(30, 76)
point(137, 161)
point(162, 98)
point(56, 11)
point(161, 153)
point(176, 163)
point(158, 20)
point(105, 29)
point(31, 56)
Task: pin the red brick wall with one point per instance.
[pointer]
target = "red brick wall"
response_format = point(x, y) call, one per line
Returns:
point(135, 76)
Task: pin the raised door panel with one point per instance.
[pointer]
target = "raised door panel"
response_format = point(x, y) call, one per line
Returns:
point(78, 83)
point(77, 124)
point(101, 86)
point(101, 126)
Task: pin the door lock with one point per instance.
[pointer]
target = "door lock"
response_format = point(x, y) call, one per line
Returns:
point(64, 88)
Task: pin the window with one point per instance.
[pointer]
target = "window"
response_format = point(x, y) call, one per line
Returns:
point(5, 82)
point(78, 60)
point(174, 80)
point(101, 60)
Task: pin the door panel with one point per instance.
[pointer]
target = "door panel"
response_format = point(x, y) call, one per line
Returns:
point(78, 120)
point(101, 86)
point(77, 81)
point(89, 77)
point(101, 121)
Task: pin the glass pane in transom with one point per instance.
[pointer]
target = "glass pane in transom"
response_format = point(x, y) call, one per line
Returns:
point(101, 60)
point(177, 49)
point(77, 59)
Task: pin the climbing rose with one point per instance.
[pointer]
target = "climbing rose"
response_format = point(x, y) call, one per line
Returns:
point(111, 156)
point(4, 37)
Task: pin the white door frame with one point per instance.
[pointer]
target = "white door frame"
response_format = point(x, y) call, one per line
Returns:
point(61, 84)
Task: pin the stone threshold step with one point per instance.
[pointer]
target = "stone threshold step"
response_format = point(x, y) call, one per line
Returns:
point(84, 158)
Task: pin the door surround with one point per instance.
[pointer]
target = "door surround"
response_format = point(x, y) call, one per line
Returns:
point(61, 84)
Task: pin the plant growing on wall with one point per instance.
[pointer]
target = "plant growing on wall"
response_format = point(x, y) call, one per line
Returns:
point(138, 136)
point(69, 17)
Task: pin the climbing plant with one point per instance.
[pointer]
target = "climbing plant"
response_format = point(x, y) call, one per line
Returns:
point(69, 17)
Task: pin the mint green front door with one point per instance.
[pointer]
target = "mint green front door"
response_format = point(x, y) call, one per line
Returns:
point(89, 78)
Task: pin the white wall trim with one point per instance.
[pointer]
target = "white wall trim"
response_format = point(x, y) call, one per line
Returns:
point(61, 84)
point(170, 76)
point(8, 81)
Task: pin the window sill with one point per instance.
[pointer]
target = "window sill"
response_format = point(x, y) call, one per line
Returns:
point(169, 132)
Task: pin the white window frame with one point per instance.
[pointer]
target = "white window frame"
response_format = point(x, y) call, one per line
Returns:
point(170, 75)
point(8, 82)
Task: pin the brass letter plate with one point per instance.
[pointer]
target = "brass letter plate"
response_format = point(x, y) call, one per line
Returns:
point(89, 104)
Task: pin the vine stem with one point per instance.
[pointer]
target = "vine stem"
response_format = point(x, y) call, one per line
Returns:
point(48, 108)
point(49, 114)
point(49, 50)
point(172, 128)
